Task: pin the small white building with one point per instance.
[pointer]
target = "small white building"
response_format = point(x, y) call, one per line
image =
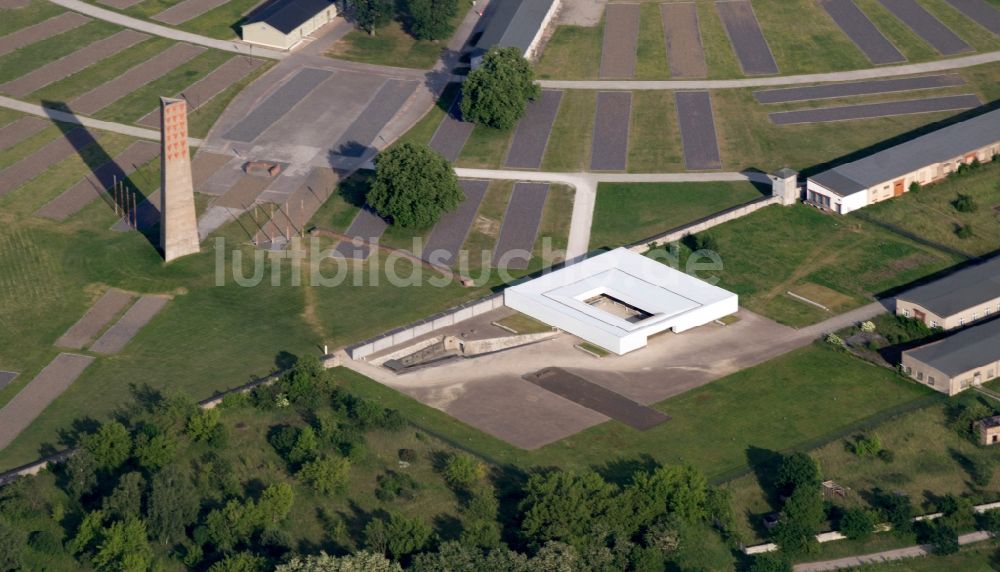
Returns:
point(283, 24)
point(889, 173)
point(618, 299)
point(517, 24)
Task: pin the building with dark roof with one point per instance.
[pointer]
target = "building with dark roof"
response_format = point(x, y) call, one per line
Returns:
point(988, 430)
point(957, 300)
point(515, 24)
point(285, 23)
point(889, 173)
point(956, 363)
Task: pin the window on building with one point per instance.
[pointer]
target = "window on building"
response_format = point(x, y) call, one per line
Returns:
point(909, 370)
point(961, 321)
point(933, 324)
point(965, 384)
point(920, 375)
point(906, 312)
point(975, 317)
point(990, 374)
point(930, 380)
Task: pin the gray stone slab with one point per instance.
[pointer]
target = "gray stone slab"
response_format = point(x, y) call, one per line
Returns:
point(448, 236)
point(367, 225)
point(697, 125)
point(871, 110)
point(868, 87)
point(278, 104)
point(119, 335)
point(14, 4)
point(96, 184)
point(38, 162)
point(685, 53)
point(205, 165)
point(532, 134)
point(73, 63)
point(451, 135)
point(19, 130)
point(202, 91)
point(138, 76)
point(860, 29)
point(6, 377)
point(593, 396)
point(120, 4)
point(357, 140)
point(746, 37)
point(29, 403)
point(621, 37)
point(925, 25)
point(609, 150)
point(981, 12)
point(244, 192)
point(112, 303)
point(187, 10)
point(519, 230)
point(46, 29)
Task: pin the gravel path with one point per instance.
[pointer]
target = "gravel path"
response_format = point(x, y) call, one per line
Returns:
point(73, 63)
point(871, 110)
point(860, 29)
point(885, 556)
point(609, 150)
point(520, 225)
point(138, 76)
point(96, 184)
point(746, 37)
point(49, 384)
point(685, 53)
point(113, 302)
point(119, 335)
point(697, 126)
point(621, 37)
point(448, 235)
point(532, 134)
point(835, 90)
point(46, 29)
point(925, 25)
point(19, 130)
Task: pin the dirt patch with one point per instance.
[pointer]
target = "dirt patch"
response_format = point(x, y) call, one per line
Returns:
point(486, 226)
point(581, 12)
point(822, 295)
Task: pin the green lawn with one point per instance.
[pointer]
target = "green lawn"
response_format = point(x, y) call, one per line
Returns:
point(778, 249)
point(390, 46)
point(804, 39)
point(651, 51)
point(35, 12)
point(931, 215)
point(486, 148)
point(709, 427)
point(654, 137)
point(912, 46)
point(569, 142)
point(929, 458)
point(625, 213)
point(573, 52)
point(20, 62)
point(221, 23)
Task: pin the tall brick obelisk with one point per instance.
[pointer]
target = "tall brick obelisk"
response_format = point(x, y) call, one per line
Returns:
point(178, 219)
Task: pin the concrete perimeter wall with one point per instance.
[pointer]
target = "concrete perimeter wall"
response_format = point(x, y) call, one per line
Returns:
point(362, 350)
point(706, 223)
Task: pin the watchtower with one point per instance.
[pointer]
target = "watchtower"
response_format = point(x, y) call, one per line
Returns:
point(785, 184)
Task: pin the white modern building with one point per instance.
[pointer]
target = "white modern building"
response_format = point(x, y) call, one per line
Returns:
point(889, 173)
point(618, 299)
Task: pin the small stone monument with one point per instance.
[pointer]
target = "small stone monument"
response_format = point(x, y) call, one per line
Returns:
point(785, 184)
point(178, 219)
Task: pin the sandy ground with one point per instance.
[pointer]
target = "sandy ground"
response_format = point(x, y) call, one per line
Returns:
point(581, 12)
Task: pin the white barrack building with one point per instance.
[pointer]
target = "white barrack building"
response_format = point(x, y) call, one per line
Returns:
point(619, 299)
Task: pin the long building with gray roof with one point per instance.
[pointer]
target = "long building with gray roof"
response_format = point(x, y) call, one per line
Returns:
point(954, 364)
point(959, 299)
point(890, 172)
point(515, 24)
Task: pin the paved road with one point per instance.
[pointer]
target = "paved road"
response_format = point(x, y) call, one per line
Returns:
point(854, 75)
point(886, 556)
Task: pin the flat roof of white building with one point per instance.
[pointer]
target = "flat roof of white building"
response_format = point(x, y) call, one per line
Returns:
point(620, 298)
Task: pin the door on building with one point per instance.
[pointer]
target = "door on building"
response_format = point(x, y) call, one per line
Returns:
point(897, 188)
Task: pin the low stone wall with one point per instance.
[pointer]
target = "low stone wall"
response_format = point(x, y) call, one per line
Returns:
point(706, 223)
point(362, 350)
point(490, 345)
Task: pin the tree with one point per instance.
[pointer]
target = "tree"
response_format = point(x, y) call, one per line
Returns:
point(202, 425)
point(11, 546)
point(110, 446)
point(431, 19)
point(798, 470)
point(943, 539)
point(896, 509)
point(326, 475)
point(126, 500)
point(496, 94)
point(124, 548)
point(81, 473)
point(405, 535)
point(965, 204)
point(857, 523)
point(413, 186)
point(770, 562)
point(462, 471)
point(173, 505)
point(154, 450)
point(240, 562)
point(372, 14)
point(450, 556)
point(565, 506)
point(358, 562)
point(275, 504)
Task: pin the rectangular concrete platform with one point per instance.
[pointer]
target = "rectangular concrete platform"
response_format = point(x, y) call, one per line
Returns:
point(112, 303)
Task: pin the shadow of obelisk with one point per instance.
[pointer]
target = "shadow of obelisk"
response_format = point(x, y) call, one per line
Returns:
point(179, 220)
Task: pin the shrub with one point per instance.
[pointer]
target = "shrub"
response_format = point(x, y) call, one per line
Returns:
point(770, 562)
point(963, 231)
point(981, 470)
point(857, 523)
point(45, 542)
point(914, 187)
point(708, 242)
point(943, 539)
point(834, 340)
point(394, 485)
point(886, 456)
point(326, 475)
point(868, 445)
point(407, 455)
point(462, 471)
point(867, 326)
